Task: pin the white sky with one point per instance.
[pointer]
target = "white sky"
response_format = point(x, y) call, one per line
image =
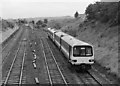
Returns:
point(42, 8)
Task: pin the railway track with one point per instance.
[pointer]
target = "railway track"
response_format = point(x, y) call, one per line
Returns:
point(98, 77)
point(90, 77)
point(54, 73)
point(6, 50)
point(3, 48)
point(94, 78)
point(15, 72)
point(107, 78)
point(85, 78)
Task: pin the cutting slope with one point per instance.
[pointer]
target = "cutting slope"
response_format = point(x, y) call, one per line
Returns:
point(103, 37)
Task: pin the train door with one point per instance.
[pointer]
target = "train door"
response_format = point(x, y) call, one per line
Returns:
point(61, 41)
point(70, 52)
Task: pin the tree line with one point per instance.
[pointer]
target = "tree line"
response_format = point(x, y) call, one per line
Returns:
point(41, 23)
point(104, 12)
point(7, 24)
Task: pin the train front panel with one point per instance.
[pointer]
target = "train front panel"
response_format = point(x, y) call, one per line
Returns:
point(82, 54)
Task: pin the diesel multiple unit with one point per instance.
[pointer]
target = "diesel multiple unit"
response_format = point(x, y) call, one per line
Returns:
point(78, 53)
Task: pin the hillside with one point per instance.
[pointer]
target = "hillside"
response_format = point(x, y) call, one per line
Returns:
point(102, 36)
point(7, 27)
point(5, 24)
point(99, 29)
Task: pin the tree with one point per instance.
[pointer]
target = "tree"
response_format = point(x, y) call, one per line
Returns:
point(33, 22)
point(76, 14)
point(44, 25)
point(11, 25)
point(39, 22)
point(89, 12)
point(45, 21)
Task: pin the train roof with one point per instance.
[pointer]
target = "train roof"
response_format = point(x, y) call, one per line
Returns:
point(60, 33)
point(49, 28)
point(69, 39)
point(73, 41)
point(53, 30)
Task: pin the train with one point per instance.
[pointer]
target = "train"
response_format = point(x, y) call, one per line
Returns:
point(78, 53)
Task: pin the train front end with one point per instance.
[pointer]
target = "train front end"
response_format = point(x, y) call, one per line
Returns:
point(82, 56)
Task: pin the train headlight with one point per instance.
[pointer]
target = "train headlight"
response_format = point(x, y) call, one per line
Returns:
point(74, 60)
point(91, 60)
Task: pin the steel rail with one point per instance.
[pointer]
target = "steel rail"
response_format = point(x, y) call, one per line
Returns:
point(5, 46)
point(12, 39)
point(8, 75)
point(11, 67)
point(23, 61)
point(7, 52)
point(50, 79)
point(57, 65)
point(94, 78)
point(22, 68)
point(5, 58)
point(63, 78)
point(103, 76)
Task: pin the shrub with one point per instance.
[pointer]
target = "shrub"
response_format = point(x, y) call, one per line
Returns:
point(104, 12)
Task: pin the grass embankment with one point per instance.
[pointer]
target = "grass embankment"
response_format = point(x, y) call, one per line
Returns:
point(7, 27)
point(103, 37)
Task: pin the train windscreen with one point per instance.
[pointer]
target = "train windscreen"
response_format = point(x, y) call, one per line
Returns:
point(82, 51)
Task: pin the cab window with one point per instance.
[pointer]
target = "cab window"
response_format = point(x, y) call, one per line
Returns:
point(82, 51)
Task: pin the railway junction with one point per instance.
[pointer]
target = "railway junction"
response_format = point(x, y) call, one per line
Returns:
point(31, 58)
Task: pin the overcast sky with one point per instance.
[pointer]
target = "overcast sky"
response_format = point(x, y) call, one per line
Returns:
point(42, 8)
